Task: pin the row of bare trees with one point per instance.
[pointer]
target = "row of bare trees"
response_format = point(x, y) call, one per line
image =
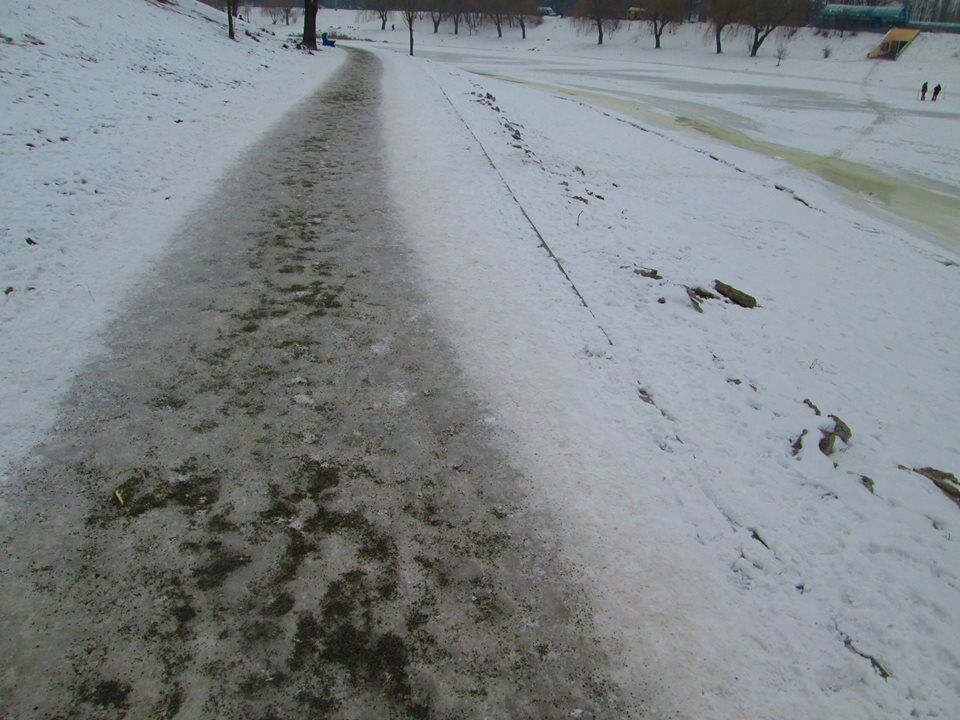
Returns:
point(760, 17)
point(469, 12)
point(459, 12)
point(284, 11)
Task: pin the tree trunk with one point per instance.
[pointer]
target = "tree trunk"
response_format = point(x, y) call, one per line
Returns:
point(599, 22)
point(436, 23)
point(760, 37)
point(523, 27)
point(499, 23)
point(410, 27)
point(310, 24)
point(230, 30)
point(383, 20)
point(719, 48)
point(456, 24)
point(657, 32)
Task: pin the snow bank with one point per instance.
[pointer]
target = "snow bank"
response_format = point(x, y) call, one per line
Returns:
point(738, 571)
point(118, 117)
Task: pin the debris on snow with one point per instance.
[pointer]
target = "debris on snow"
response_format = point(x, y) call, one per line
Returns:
point(830, 434)
point(650, 273)
point(947, 482)
point(735, 296)
point(797, 445)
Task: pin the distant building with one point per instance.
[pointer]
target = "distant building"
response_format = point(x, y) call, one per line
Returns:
point(881, 16)
point(862, 17)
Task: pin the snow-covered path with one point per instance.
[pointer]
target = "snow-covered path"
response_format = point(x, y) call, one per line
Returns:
point(272, 495)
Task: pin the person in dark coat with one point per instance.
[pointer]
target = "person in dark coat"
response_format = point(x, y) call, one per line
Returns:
point(936, 92)
point(923, 90)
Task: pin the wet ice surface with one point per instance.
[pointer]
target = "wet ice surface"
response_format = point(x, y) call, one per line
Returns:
point(273, 497)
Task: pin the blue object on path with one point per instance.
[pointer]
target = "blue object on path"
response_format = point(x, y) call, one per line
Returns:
point(327, 41)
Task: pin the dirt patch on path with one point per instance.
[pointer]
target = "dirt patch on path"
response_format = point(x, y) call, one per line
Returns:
point(272, 498)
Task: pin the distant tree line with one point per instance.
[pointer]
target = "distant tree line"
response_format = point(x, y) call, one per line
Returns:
point(758, 18)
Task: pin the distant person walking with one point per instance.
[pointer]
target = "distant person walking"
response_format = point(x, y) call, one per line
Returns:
point(923, 91)
point(936, 92)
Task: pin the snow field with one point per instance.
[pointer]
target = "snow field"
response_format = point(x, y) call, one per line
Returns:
point(738, 579)
point(733, 576)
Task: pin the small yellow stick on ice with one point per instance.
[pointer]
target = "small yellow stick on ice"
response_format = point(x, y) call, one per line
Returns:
point(118, 496)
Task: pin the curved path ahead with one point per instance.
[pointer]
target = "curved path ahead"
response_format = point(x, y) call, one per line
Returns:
point(270, 496)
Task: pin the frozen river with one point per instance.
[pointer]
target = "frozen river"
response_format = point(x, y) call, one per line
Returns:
point(855, 124)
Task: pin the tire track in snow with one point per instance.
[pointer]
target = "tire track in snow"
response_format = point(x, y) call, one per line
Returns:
point(536, 230)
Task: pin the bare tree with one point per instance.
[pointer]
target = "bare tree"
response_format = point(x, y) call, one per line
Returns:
point(660, 13)
point(274, 13)
point(437, 17)
point(278, 10)
point(600, 14)
point(455, 10)
point(473, 21)
point(723, 13)
point(522, 11)
point(379, 9)
point(310, 8)
point(227, 6)
point(495, 11)
point(410, 11)
point(765, 16)
point(231, 14)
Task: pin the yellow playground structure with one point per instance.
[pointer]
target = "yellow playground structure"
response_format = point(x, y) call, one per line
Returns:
point(893, 43)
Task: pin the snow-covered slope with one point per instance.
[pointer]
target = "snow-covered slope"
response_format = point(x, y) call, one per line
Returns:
point(741, 570)
point(117, 115)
